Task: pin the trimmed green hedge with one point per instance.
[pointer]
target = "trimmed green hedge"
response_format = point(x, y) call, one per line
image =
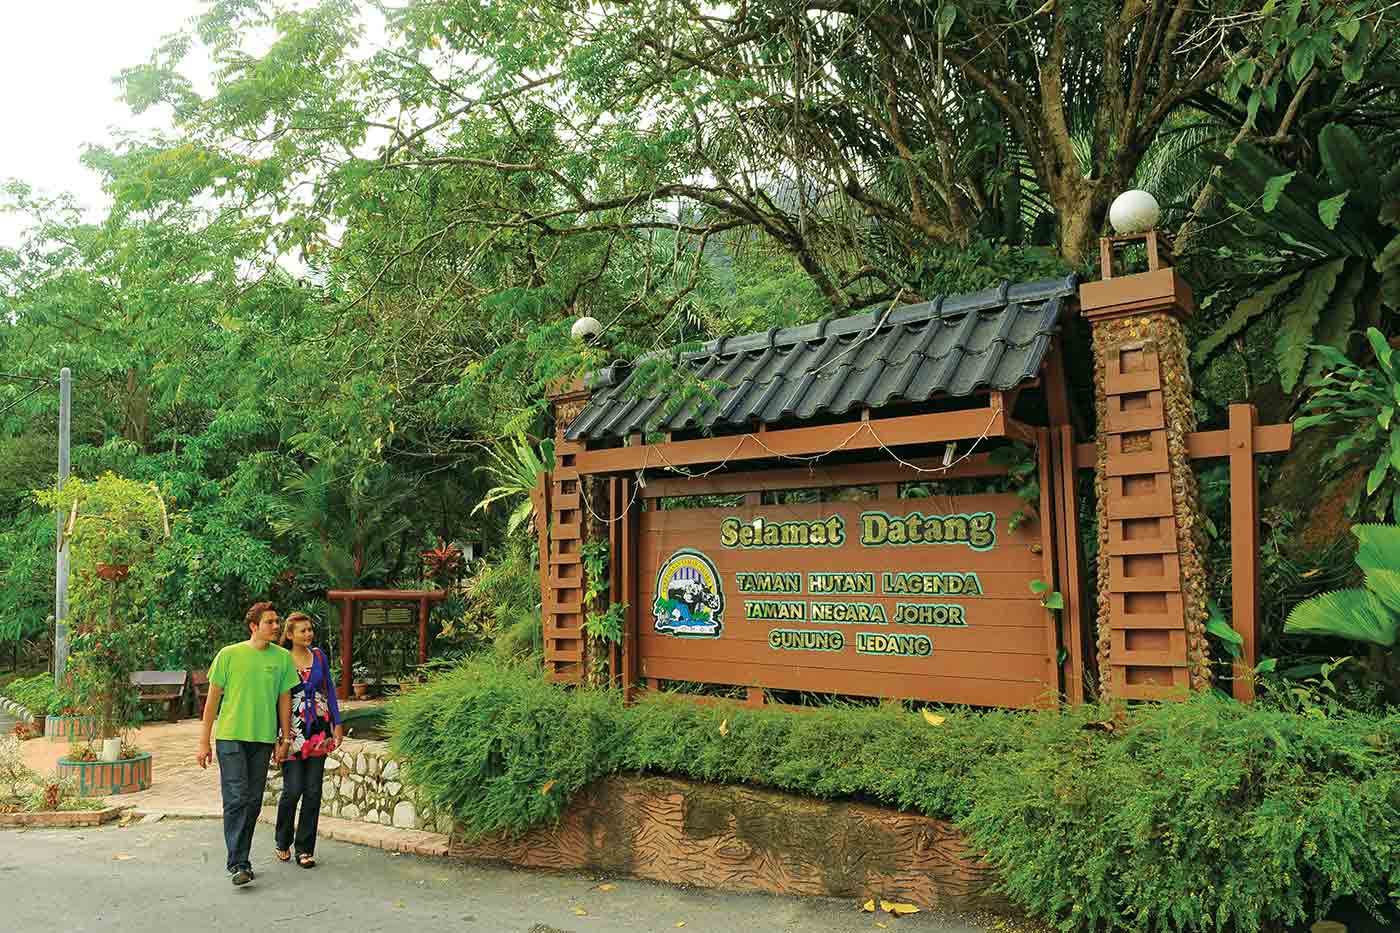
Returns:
point(1205, 815)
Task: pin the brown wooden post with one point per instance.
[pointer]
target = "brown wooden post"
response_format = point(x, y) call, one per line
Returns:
point(1244, 546)
point(540, 497)
point(1046, 508)
point(615, 597)
point(628, 560)
point(1152, 599)
point(347, 625)
point(1068, 553)
point(423, 630)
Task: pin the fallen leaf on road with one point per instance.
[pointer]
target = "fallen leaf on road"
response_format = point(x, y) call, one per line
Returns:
point(868, 906)
point(607, 887)
point(680, 923)
point(898, 909)
point(883, 926)
point(399, 905)
point(580, 912)
point(121, 857)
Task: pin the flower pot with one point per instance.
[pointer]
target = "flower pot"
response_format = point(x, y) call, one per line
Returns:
point(111, 749)
point(70, 728)
point(101, 778)
point(360, 690)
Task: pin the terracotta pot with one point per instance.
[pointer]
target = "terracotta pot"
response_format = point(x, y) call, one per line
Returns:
point(360, 690)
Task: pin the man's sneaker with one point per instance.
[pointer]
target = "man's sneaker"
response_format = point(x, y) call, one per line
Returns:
point(242, 876)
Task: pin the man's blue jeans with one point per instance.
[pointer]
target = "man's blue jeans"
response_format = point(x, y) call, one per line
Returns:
point(242, 780)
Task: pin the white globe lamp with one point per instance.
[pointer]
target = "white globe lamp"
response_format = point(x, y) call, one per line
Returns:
point(586, 329)
point(1134, 211)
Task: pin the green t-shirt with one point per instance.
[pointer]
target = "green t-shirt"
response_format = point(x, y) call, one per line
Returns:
point(252, 680)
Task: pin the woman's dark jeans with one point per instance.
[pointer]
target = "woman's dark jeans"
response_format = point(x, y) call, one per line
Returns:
point(242, 780)
point(301, 780)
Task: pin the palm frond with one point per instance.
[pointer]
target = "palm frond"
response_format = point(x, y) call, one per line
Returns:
point(1354, 614)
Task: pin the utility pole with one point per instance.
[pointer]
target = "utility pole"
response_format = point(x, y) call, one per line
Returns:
point(60, 603)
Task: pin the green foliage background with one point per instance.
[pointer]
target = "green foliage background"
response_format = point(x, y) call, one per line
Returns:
point(340, 275)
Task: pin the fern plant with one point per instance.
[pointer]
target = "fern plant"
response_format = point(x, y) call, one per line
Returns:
point(1369, 614)
point(1364, 400)
point(1336, 234)
point(515, 467)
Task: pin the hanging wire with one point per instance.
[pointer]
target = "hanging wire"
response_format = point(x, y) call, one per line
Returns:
point(34, 391)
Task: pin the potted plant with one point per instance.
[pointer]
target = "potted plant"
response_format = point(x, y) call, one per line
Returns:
point(114, 527)
point(359, 681)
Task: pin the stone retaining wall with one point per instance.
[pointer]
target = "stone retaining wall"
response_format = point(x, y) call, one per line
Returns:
point(363, 783)
point(750, 839)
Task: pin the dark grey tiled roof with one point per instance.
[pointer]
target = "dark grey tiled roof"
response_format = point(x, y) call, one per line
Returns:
point(993, 339)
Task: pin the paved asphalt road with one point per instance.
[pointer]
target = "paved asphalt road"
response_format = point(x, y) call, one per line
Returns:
point(168, 877)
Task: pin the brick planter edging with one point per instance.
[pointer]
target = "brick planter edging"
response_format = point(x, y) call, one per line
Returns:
point(747, 839)
point(70, 728)
point(101, 778)
point(60, 818)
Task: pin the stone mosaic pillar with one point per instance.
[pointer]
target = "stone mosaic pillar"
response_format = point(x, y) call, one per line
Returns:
point(1151, 580)
point(562, 585)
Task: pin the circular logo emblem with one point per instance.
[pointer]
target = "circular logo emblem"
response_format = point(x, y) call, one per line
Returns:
point(689, 601)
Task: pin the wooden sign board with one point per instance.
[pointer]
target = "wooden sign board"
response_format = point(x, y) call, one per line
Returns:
point(913, 598)
point(384, 614)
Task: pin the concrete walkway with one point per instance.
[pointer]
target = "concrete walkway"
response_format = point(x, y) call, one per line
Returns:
point(170, 876)
point(181, 789)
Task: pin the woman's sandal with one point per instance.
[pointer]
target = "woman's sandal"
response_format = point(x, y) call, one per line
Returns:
point(306, 861)
point(283, 855)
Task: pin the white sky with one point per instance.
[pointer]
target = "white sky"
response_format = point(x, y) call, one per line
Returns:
point(57, 61)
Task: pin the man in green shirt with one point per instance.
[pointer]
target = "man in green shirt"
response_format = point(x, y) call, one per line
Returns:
point(248, 691)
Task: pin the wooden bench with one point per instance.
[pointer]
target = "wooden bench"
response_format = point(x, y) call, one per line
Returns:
point(199, 688)
point(166, 687)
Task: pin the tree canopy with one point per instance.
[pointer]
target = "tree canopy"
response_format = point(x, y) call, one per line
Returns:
point(339, 278)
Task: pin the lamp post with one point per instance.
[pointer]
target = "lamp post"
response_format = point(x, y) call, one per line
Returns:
point(1151, 571)
point(60, 602)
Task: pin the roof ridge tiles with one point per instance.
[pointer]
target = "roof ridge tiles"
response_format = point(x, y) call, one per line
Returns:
point(828, 364)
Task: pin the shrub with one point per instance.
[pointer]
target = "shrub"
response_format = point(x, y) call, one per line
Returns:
point(16, 778)
point(521, 638)
point(501, 749)
point(1203, 815)
point(36, 694)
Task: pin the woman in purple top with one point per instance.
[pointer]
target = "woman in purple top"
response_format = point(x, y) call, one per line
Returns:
point(316, 732)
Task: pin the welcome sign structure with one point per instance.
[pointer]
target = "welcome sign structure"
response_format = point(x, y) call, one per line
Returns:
point(925, 598)
point(875, 593)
